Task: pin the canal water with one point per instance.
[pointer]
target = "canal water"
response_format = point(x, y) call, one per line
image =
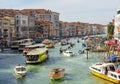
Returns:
point(76, 68)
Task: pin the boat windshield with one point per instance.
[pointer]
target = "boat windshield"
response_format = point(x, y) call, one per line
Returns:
point(70, 52)
point(20, 69)
point(32, 57)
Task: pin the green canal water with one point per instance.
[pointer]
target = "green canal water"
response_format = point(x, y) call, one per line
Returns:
point(76, 68)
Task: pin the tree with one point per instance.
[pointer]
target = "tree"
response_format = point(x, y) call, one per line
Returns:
point(110, 30)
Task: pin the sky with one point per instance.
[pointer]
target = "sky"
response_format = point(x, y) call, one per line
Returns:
point(88, 11)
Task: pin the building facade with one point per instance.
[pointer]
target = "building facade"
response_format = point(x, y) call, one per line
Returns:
point(21, 22)
point(34, 23)
point(117, 25)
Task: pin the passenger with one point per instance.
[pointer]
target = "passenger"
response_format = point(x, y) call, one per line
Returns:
point(112, 68)
point(69, 47)
point(18, 64)
point(61, 50)
point(78, 40)
point(106, 70)
point(83, 51)
point(79, 51)
point(46, 51)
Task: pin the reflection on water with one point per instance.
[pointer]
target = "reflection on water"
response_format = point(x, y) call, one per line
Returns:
point(56, 81)
point(76, 68)
point(33, 68)
point(21, 81)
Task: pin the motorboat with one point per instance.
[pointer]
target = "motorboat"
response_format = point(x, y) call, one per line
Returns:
point(37, 55)
point(107, 71)
point(20, 70)
point(46, 41)
point(57, 73)
point(68, 53)
point(50, 46)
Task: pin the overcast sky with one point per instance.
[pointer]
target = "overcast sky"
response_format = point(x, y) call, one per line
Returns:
point(91, 11)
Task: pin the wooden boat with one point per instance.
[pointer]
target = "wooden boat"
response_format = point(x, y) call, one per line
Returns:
point(37, 55)
point(57, 73)
point(107, 71)
point(31, 47)
point(68, 53)
point(46, 42)
point(50, 46)
point(20, 70)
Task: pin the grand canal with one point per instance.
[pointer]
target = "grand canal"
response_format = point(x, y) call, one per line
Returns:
point(77, 71)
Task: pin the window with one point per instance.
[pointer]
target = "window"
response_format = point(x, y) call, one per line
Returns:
point(17, 21)
point(23, 22)
point(111, 74)
point(5, 29)
point(118, 12)
point(115, 76)
point(119, 77)
point(17, 28)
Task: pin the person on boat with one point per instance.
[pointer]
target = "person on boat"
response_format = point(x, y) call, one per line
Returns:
point(81, 51)
point(69, 47)
point(71, 44)
point(60, 50)
point(56, 71)
point(106, 71)
point(112, 68)
point(46, 51)
point(78, 41)
point(18, 64)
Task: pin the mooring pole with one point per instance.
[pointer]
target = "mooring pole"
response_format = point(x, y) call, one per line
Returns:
point(87, 49)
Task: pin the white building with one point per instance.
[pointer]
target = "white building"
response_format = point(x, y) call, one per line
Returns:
point(21, 26)
point(117, 25)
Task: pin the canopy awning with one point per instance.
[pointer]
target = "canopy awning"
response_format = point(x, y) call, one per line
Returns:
point(111, 42)
point(112, 58)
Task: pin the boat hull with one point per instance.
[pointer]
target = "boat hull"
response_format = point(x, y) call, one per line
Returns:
point(68, 55)
point(20, 74)
point(57, 77)
point(104, 77)
point(59, 74)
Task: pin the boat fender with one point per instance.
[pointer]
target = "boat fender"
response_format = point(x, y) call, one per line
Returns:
point(118, 71)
